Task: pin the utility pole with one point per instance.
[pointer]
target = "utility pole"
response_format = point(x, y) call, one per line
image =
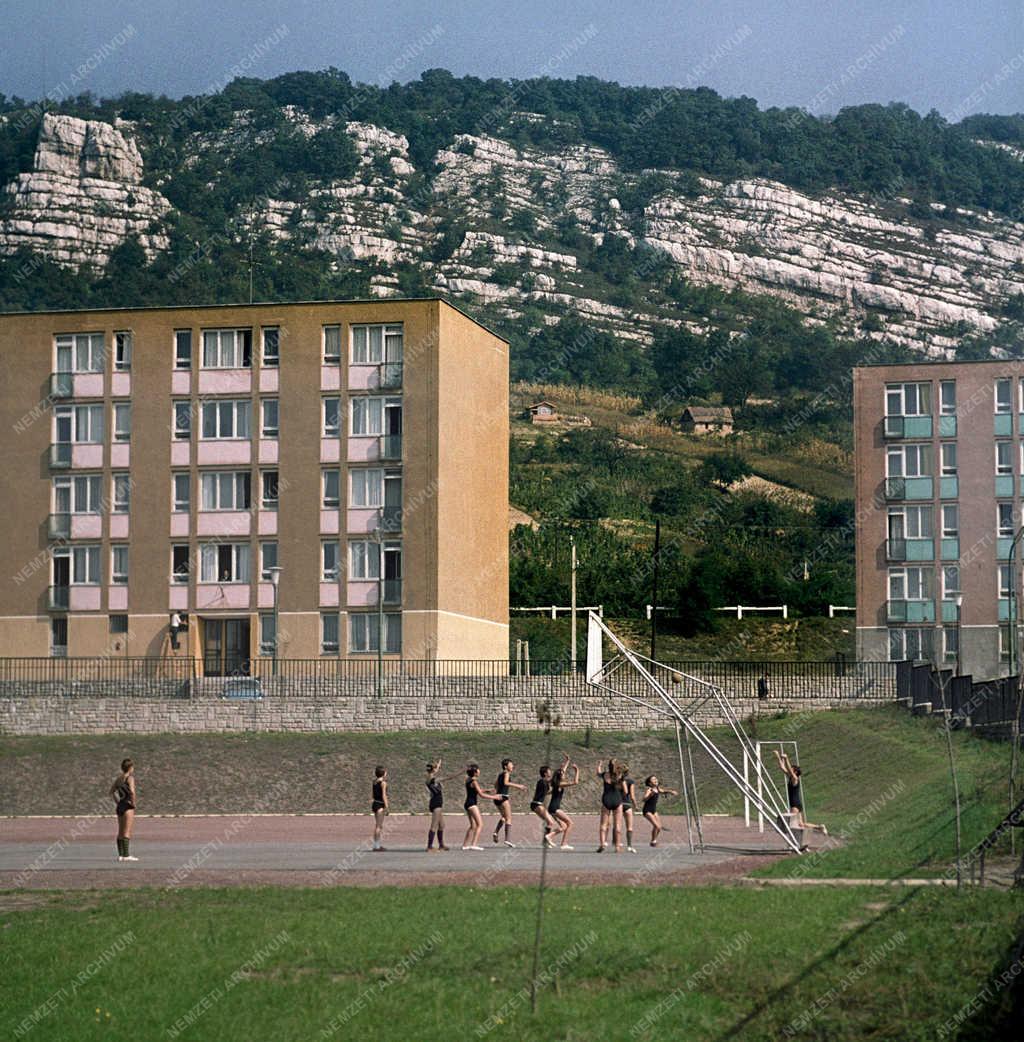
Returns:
point(572, 600)
point(379, 534)
point(654, 592)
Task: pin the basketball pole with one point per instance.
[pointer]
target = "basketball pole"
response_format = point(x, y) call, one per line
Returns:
point(686, 787)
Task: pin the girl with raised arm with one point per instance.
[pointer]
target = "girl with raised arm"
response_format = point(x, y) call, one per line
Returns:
point(652, 791)
point(436, 805)
point(611, 805)
point(559, 783)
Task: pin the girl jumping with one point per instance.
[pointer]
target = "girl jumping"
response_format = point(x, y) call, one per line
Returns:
point(559, 783)
point(651, 793)
point(123, 791)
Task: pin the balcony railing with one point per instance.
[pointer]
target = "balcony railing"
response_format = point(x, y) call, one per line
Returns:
point(893, 427)
point(391, 519)
point(59, 526)
point(59, 598)
point(392, 591)
point(60, 454)
point(62, 385)
point(390, 376)
point(391, 447)
point(895, 549)
point(895, 488)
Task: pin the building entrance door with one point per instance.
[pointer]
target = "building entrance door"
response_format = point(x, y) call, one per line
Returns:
point(226, 647)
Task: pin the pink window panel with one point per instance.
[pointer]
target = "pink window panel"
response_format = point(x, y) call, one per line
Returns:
point(88, 385)
point(330, 521)
point(181, 382)
point(180, 453)
point(268, 522)
point(363, 449)
point(177, 597)
point(362, 519)
point(329, 595)
point(232, 451)
point(225, 381)
point(268, 379)
point(364, 378)
point(227, 522)
point(120, 454)
point(330, 378)
point(86, 526)
point(265, 595)
point(268, 450)
point(362, 594)
point(121, 385)
point(87, 456)
point(330, 450)
point(118, 526)
point(117, 598)
point(84, 598)
point(222, 595)
point(179, 524)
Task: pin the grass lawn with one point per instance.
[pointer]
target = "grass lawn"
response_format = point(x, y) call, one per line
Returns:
point(449, 963)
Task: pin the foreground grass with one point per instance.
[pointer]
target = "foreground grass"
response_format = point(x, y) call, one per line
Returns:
point(448, 963)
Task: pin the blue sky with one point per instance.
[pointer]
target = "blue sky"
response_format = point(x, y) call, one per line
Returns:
point(955, 56)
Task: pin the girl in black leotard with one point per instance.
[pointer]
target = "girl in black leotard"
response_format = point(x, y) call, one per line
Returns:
point(379, 806)
point(435, 806)
point(611, 805)
point(628, 804)
point(476, 822)
point(540, 793)
point(559, 783)
point(502, 802)
point(652, 791)
point(123, 790)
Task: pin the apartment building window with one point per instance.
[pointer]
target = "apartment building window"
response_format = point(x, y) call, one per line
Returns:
point(225, 490)
point(332, 488)
point(82, 424)
point(332, 417)
point(271, 355)
point(332, 345)
point(910, 523)
point(329, 560)
point(118, 625)
point(910, 643)
point(183, 349)
point(950, 582)
point(951, 643)
point(364, 633)
point(182, 483)
point(268, 634)
point(227, 348)
point(269, 427)
point(371, 416)
point(268, 559)
point(1004, 581)
point(950, 521)
point(268, 500)
point(910, 584)
point(122, 493)
point(225, 419)
point(374, 344)
point(59, 636)
point(123, 351)
point(908, 399)
point(119, 565)
point(85, 565)
point(1004, 457)
point(329, 641)
point(908, 461)
point(82, 494)
point(81, 353)
point(122, 421)
point(947, 397)
point(948, 457)
point(182, 421)
point(224, 562)
point(373, 487)
point(1005, 518)
point(363, 559)
point(1004, 395)
point(1004, 643)
point(181, 563)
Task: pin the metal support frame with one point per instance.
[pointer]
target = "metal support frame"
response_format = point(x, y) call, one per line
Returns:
point(757, 759)
point(765, 796)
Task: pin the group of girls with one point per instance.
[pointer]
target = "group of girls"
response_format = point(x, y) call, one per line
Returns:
point(618, 804)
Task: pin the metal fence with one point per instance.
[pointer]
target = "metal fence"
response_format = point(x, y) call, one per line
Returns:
point(980, 704)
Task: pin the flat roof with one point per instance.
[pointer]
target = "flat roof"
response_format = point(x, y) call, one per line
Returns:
point(937, 361)
point(259, 304)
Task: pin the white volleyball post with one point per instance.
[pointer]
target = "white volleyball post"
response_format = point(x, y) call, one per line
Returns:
point(757, 758)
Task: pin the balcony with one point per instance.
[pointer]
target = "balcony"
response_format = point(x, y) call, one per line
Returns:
point(391, 447)
point(909, 550)
point(1004, 486)
point(390, 376)
point(1002, 425)
point(910, 611)
point(62, 385)
point(895, 488)
point(60, 454)
point(907, 427)
point(950, 611)
point(947, 426)
point(392, 591)
point(59, 598)
point(895, 549)
point(916, 488)
point(59, 526)
point(391, 519)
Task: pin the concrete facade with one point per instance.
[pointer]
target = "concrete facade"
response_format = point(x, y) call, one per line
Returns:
point(939, 475)
point(421, 395)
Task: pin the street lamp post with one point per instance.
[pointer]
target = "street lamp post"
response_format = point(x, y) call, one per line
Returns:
point(275, 583)
point(959, 631)
point(379, 536)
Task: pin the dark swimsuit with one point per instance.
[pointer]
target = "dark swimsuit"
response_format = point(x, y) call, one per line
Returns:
point(124, 798)
point(436, 795)
point(555, 803)
point(794, 794)
point(651, 803)
point(501, 788)
point(471, 794)
point(540, 793)
point(627, 795)
point(612, 795)
point(378, 796)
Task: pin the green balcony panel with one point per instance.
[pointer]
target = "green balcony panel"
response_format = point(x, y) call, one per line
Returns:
point(950, 549)
point(1003, 547)
point(1002, 426)
point(947, 426)
point(920, 550)
point(949, 488)
point(920, 611)
point(919, 488)
point(1004, 609)
point(917, 426)
point(949, 612)
point(1020, 423)
point(896, 611)
point(1004, 486)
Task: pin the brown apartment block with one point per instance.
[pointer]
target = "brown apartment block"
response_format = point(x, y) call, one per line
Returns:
point(348, 461)
point(939, 457)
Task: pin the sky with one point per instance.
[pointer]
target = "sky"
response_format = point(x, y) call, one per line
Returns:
point(956, 56)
